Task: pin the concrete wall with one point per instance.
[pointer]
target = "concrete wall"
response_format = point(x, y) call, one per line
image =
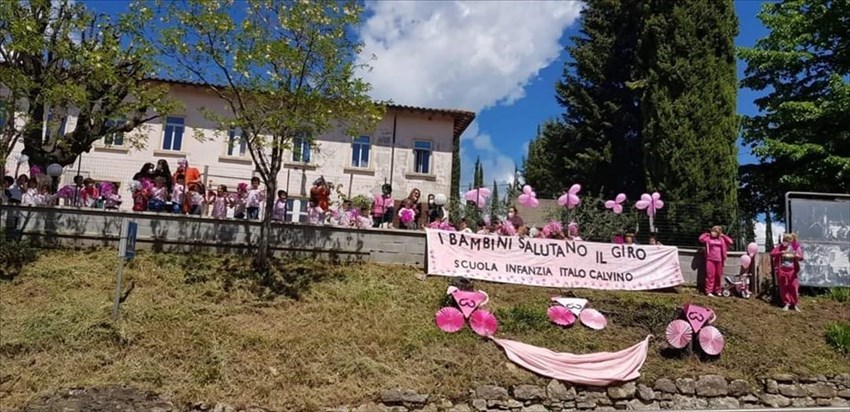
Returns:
point(165, 232)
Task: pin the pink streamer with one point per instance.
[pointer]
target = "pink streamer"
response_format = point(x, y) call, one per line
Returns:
point(593, 369)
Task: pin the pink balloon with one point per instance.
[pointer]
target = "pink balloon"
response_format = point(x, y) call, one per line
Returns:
point(478, 195)
point(528, 198)
point(616, 205)
point(570, 199)
point(752, 248)
point(746, 260)
point(650, 202)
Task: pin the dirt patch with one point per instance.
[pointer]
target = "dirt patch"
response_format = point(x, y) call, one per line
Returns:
point(106, 399)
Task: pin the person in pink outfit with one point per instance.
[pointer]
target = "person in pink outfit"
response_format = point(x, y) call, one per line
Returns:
point(716, 247)
point(786, 258)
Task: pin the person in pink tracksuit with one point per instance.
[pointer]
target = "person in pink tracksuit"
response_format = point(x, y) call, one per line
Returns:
point(786, 262)
point(716, 247)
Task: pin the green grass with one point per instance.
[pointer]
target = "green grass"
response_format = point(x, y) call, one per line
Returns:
point(838, 336)
point(839, 294)
point(197, 327)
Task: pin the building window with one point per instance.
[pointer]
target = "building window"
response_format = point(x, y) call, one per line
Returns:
point(172, 138)
point(360, 152)
point(422, 157)
point(296, 210)
point(236, 144)
point(116, 138)
point(301, 149)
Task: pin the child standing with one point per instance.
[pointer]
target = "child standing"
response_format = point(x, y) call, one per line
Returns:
point(178, 192)
point(716, 246)
point(158, 195)
point(220, 202)
point(89, 194)
point(254, 198)
point(30, 196)
point(786, 261)
point(279, 212)
point(195, 200)
point(239, 201)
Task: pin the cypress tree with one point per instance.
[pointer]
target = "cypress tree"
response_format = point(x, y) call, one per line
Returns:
point(688, 106)
point(802, 131)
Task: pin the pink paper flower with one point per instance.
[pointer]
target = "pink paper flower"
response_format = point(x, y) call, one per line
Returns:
point(405, 216)
point(553, 229)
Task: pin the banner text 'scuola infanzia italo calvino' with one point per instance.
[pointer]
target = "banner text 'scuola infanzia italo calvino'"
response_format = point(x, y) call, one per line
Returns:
point(553, 263)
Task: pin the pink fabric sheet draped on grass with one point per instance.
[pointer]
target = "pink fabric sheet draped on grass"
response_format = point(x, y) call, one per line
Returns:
point(593, 369)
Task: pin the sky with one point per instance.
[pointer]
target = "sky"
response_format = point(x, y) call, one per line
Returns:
point(499, 59)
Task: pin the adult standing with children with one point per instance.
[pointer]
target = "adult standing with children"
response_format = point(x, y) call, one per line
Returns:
point(786, 258)
point(716, 251)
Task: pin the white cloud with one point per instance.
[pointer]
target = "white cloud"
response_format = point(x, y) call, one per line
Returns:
point(778, 229)
point(463, 55)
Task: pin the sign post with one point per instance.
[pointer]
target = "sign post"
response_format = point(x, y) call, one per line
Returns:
point(126, 252)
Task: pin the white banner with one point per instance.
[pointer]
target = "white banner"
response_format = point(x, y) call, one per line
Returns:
point(553, 263)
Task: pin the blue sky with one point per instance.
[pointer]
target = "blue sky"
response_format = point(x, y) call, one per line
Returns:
point(511, 126)
point(499, 59)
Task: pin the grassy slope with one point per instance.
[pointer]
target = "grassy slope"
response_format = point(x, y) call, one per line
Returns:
point(362, 329)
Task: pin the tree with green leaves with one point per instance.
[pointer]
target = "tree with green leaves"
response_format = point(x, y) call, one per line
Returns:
point(688, 92)
point(601, 125)
point(478, 174)
point(543, 167)
point(801, 134)
point(283, 70)
point(497, 207)
point(57, 58)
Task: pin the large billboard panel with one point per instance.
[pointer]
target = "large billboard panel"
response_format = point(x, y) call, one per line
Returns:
point(822, 225)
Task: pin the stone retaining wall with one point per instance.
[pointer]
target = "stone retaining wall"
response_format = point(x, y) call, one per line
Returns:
point(704, 392)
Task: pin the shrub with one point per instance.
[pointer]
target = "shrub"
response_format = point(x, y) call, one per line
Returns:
point(596, 224)
point(15, 254)
point(838, 336)
point(839, 294)
point(361, 201)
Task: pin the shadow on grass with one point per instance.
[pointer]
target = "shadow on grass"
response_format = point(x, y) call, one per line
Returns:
point(291, 277)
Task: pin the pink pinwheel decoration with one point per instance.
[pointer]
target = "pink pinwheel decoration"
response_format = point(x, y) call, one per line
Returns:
point(450, 319)
point(561, 316)
point(528, 198)
point(650, 202)
point(616, 205)
point(711, 340)
point(478, 196)
point(593, 319)
point(679, 333)
point(483, 323)
point(570, 199)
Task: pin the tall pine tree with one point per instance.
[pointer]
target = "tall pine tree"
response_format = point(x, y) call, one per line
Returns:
point(542, 169)
point(478, 176)
point(601, 125)
point(688, 106)
point(802, 132)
